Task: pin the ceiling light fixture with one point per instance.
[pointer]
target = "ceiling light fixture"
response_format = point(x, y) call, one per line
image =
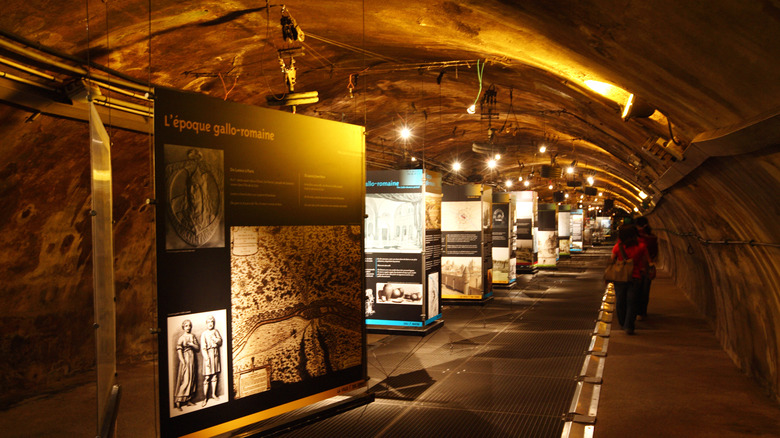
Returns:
point(591, 180)
point(542, 148)
point(456, 166)
point(526, 183)
point(509, 183)
point(636, 108)
point(473, 108)
point(642, 195)
point(492, 163)
point(406, 133)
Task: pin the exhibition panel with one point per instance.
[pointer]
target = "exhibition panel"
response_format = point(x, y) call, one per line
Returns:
point(467, 264)
point(403, 248)
point(259, 261)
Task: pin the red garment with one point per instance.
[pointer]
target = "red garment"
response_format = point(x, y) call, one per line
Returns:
point(637, 253)
point(651, 242)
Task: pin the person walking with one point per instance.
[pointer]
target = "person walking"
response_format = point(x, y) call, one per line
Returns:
point(627, 293)
point(647, 237)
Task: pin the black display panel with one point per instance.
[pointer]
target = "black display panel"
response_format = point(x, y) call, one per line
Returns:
point(259, 261)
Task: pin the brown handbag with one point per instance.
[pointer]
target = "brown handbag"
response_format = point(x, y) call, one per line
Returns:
point(620, 270)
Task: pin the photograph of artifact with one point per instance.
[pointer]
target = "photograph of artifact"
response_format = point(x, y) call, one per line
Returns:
point(194, 187)
point(196, 361)
point(399, 293)
point(394, 222)
point(297, 304)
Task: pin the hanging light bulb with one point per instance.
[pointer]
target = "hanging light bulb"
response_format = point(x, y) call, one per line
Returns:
point(519, 178)
point(550, 187)
point(509, 183)
point(456, 166)
point(406, 133)
point(472, 109)
point(498, 156)
point(492, 163)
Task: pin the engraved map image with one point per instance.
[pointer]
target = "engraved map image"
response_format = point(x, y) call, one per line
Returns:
point(296, 298)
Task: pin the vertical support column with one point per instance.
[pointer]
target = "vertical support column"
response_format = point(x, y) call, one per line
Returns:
point(102, 261)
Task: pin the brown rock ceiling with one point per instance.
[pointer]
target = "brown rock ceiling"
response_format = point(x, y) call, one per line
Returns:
point(708, 67)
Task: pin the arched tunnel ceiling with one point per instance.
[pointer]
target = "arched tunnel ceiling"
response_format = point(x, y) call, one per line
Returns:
point(385, 65)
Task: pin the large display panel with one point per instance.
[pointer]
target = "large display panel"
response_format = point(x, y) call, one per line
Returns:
point(504, 261)
point(259, 262)
point(467, 259)
point(403, 247)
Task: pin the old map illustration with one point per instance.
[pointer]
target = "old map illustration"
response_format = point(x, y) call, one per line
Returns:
point(296, 304)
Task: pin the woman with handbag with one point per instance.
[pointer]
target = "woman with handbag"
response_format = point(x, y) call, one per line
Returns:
point(627, 293)
point(647, 237)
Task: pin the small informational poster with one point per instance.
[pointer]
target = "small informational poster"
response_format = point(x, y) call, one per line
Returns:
point(577, 230)
point(504, 244)
point(547, 236)
point(259, 231)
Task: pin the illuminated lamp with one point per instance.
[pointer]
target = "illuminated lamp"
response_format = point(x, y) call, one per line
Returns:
point(636, 108)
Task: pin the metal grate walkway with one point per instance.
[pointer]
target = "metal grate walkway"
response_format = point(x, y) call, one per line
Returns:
point(508, 368)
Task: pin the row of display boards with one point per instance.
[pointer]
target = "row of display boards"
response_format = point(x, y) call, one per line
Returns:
point(277, 253)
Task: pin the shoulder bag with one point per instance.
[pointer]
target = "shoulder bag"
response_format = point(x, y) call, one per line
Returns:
point(620, 270)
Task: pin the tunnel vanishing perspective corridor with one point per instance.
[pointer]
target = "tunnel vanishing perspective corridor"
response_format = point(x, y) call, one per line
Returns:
point(668, 110)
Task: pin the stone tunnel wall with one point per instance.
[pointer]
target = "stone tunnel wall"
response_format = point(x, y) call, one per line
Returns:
point(735, 286)
point(46, 272)
point(47, 340)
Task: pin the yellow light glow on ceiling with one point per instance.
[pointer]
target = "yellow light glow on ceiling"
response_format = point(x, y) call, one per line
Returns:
point(611, 92)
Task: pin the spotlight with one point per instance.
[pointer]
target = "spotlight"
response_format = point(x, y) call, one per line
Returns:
point(550, 187)
point(509, 183)
point(642, 195)
point(472, 109)
point(414, 159)
point(601, 193)
point(570, 170)
point(498, 156)
point(566, 196)
point(519, 178)
point(492, 163)
point(526, 183)
point(591, 180)
point(637, 108)
point(456, 166)
point(406, 133)
point(542, 148)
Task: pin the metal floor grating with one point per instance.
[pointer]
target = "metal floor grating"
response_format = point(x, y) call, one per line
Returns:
point(508, 368)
